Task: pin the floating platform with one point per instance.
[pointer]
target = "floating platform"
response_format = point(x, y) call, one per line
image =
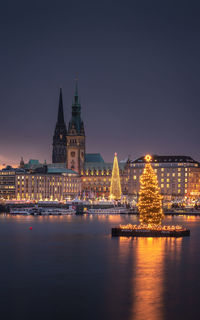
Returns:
point(119, 232)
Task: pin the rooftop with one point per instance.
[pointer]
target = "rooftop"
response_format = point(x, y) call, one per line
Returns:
point(93, 157)
point(164, 159)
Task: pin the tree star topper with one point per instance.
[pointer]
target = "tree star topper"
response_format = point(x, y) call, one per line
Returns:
point(148, 158)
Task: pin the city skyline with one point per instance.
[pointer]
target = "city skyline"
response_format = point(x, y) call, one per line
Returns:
point(138, 71)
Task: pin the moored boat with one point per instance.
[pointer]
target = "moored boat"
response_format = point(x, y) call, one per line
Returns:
point(113, 210)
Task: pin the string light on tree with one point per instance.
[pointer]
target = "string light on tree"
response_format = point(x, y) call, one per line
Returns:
point(150, 200)
point(115, 188)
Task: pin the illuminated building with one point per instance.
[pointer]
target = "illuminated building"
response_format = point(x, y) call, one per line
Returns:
point(7, 183)
point(47, 183)
point(176, 175)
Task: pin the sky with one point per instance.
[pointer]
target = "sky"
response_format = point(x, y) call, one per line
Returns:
point(138, 67)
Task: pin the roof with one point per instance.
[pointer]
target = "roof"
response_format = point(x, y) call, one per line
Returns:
point(61, 170)
point(170, 158)
point(32, 164)
point(93, 157)
point(102, 165)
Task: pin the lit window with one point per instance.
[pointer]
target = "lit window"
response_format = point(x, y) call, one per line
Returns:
point(179, 185)
point(168, 174)
point(134, 177)
point(173, 174)
point(179, 180)
point(185, 190)
point(162, 180)
point(167, 180)
point(155, 170)
point(179, 174)
point(167, 185)
point(162, 169)
point(179, 191)
point(185, 180)
point(162, 185)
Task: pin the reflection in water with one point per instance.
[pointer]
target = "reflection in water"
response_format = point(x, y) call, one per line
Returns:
point(148, 280)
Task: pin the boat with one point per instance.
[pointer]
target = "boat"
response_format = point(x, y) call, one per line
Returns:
point(113, 210)
point(54, 211)
point(23, 211)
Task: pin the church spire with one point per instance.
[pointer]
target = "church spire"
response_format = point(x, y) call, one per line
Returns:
point(60, 109)
point(76, 100)
point(59, 137)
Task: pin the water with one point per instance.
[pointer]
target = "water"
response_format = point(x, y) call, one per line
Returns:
point(71, 268)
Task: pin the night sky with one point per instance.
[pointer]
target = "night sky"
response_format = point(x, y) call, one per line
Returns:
point(138, 65)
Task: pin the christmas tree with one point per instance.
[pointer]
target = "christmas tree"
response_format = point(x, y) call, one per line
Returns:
point(115, 189)
point(150, 200)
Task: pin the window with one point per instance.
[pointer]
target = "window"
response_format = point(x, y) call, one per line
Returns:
point(167, 185)
point(162, 185)
point(134, 177)
point(173, 174)
point(162, 169)
point(72, 154)
point(179, 174)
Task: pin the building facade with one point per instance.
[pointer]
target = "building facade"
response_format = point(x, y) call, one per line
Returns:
point(7, 183)
point(42, 183)
point(177, 175)
point(76, 137)
point(50, 184)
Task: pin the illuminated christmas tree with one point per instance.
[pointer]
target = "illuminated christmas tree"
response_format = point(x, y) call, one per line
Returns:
point(115, 189)
point(150, 200)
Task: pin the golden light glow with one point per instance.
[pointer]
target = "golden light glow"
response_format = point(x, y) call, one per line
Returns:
point(152, 226)
point(148, 158)
point(115, 189)
point(150, 200)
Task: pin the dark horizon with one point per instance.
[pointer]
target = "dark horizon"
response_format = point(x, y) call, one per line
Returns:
point(138, 69)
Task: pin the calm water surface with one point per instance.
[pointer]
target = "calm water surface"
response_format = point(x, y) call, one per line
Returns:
point(71, 268)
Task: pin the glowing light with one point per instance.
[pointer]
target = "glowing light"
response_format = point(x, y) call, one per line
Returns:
point(115, 189)
point(150, 200)
point(148, 158)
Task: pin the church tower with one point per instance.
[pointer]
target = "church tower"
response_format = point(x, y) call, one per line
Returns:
point(59, 138)
point(76, 137)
